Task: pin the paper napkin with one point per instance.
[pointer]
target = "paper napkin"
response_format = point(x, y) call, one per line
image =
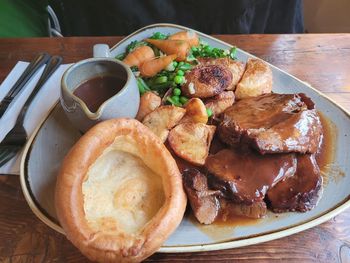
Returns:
point(42, 103)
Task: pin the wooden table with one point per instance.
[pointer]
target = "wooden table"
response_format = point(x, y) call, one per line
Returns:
point(323, 60)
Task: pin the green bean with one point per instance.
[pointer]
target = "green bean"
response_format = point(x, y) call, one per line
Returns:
point(161, 80)
point(184, 67)
point(183, 99)
point(169, 99)
point(142, 86)
point(162, 85)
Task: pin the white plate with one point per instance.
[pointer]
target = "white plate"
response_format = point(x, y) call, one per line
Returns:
point(54, 137)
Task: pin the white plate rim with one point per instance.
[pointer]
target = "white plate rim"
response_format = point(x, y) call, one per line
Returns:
point(327, 215)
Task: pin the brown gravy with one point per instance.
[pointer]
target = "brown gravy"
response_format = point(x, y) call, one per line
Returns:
point(97, 90)
point(326, 153)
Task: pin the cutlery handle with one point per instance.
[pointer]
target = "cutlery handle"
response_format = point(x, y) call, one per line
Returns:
point(28, 73)
point(49, 69)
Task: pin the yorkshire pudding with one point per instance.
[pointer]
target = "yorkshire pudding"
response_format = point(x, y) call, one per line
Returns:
point(119, 193)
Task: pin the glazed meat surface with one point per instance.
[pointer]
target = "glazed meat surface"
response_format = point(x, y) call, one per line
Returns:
point(246, 176)
point(205, 81)
point(299, 192)
point(273, 123)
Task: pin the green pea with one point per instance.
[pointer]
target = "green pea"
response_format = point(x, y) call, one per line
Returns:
point(175, 64)
point(179, 79)
point(177, 92)
point(180, 72)
point(161, 79)
point(176, 99)
point(209, 112)
point(183, 99)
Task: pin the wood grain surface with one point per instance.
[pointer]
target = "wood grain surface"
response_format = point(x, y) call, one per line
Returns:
point(323, 60)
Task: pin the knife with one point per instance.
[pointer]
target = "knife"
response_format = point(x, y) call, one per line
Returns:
point(28, 73)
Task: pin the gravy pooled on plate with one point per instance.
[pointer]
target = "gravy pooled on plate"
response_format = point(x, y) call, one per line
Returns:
point(97, 90)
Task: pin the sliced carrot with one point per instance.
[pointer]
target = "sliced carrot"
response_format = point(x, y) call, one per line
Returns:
point(178, 47)
point(138, 56)
point(150, 68)
point(189, 36)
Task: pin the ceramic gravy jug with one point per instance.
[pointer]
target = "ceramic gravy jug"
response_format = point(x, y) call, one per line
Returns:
point(124, 103)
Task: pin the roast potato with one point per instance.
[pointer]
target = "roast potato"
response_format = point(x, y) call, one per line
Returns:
point(236, 67)
point(256, 80)
point(191, 141)
point(221, 102)
point(195, 112)
point(148, 103)
point(161, 120)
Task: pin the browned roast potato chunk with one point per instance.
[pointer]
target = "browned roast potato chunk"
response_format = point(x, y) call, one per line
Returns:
point(148, 103)
point(161, 120)
point(221, 102)
point(191, 141)
point(256, 80)
point(236, 67)
point(205, 81)
point(195, 112)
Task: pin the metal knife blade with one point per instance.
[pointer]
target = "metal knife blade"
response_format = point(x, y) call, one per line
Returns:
point(28, 73)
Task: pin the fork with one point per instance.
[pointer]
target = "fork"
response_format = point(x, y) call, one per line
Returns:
point(28, 73)
point(17, 137)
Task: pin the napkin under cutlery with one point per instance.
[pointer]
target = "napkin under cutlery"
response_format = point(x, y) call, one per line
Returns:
point(43, 102)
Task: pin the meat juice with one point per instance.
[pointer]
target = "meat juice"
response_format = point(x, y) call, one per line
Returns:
point(327, 149)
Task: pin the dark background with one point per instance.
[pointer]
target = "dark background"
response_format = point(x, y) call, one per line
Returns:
point(121, 17)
